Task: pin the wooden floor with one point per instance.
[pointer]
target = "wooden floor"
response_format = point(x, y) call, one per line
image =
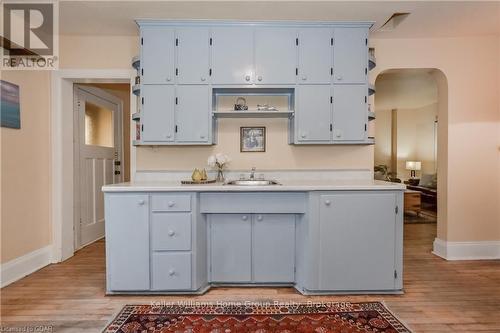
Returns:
point(440, 296)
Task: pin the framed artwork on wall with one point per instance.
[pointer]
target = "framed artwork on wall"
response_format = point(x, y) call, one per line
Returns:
point(10, 109)
point(252, 139)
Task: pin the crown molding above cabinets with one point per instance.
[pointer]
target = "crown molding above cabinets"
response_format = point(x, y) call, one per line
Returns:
point(323, 66)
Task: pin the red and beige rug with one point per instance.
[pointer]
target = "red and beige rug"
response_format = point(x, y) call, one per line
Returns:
point(257, 318)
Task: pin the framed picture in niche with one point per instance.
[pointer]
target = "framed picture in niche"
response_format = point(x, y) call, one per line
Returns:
point(252, 139)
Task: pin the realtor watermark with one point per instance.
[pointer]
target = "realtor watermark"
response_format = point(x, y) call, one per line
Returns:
point(29, 37)
point(35, 328)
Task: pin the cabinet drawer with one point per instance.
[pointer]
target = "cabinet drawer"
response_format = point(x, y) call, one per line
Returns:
point(171, 271)
point(171, 203)
point(171, 231)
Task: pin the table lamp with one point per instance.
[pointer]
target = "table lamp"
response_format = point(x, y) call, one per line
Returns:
point(413, 166)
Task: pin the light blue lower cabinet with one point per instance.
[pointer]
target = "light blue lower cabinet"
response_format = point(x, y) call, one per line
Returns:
point(230, 247)
point(328, 242)
point(171, 271)
point(273, 248)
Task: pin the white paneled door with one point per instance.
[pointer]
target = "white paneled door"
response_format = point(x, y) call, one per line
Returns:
point(98, 152)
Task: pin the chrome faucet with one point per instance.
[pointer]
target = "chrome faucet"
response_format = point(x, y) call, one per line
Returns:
point(252, 174)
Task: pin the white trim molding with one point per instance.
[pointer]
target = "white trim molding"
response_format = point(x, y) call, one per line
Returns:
point(480, 250)
point(20, 267)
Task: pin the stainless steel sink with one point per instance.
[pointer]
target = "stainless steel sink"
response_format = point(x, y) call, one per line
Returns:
point(250, 182)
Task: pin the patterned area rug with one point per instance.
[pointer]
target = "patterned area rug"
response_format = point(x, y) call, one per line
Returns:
point(257, 318)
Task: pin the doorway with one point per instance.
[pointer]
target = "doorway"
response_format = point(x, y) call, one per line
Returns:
point(406, 131)
point(98, 158)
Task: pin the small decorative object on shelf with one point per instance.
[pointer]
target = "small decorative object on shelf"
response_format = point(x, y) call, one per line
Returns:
point(241, 104)
point(196, 176)
point(266, 107)
point(252, 139)
point(219, 162)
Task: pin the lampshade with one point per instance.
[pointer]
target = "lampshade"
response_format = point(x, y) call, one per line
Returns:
point(413, 165)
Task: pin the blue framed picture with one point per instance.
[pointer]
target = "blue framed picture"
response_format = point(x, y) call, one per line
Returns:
point(10, 109)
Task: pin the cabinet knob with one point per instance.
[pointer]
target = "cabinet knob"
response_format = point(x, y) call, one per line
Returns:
point(168, 79)
point(259, 78)
point(171, 233)
point(141, 202)
point(244, 217)
point(171, 272)
point(304, 78)
point(303, 135)
point(203, 79)
point(339, 77)
point(202, 136)
point(168, 136)
point(171, 204)
point(328, 202)
point(260, 217)
point(247, 78)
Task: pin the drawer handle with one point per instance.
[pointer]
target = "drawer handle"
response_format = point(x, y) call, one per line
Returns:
point(244, 217)
point(328, 202)
point(171, 272)
point(247, 78)
point(259, 218)
point(171, 233)
point(171, 204)
point(259, 78)
point(141, 202)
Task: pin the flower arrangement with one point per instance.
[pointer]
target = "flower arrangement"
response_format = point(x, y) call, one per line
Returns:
point(219, 162)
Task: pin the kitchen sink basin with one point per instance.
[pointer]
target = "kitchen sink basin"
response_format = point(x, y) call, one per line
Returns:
point(249, 182)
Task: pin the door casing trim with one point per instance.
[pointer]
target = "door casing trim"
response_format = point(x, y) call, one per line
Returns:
point(62, 173)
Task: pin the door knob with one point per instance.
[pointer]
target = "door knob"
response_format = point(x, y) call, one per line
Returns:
point(327, 202)
point(171, 272)
point(259, 218)
point(247, 78)
point(259, 78)
point(244, 217)
point(171, 233)
point(171, 204)
point(141, 202)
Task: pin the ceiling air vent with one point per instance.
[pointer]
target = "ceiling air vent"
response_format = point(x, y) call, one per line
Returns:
point(393, 21)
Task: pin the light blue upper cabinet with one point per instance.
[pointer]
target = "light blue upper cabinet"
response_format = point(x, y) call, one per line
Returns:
point(313, 114)
point(275, 55)
point(315, 55)
point(232, 55)
point(157, 55)
point(193, 48)
point(192, 117)
point(349, 113)
point(158, 102)
point(350, 55)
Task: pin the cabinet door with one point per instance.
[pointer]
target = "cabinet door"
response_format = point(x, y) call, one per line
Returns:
point(273, 257)
point(315, 55)
point(357, 241)
point(232, 55)
point(158, 113)
point(193, 55)
point(127, 242)
point(275, 55)
point(157, 55)
point(349, 112)
point(230, 243)
point(192, 115)
point(313, 113)
point(350, 55)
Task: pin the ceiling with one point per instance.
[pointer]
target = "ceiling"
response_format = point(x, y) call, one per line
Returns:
point(428, 19)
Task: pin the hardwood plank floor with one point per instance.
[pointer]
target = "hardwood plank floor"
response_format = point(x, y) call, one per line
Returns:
point(440, 296)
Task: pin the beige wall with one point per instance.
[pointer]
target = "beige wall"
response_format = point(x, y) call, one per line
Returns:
point(25, 160)
point(471, 69)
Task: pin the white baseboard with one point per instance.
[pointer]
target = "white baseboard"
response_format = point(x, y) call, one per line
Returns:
point(18, 268)
point(481, 250)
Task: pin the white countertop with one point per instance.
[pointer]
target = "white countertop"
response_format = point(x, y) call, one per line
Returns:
point(286, 185)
